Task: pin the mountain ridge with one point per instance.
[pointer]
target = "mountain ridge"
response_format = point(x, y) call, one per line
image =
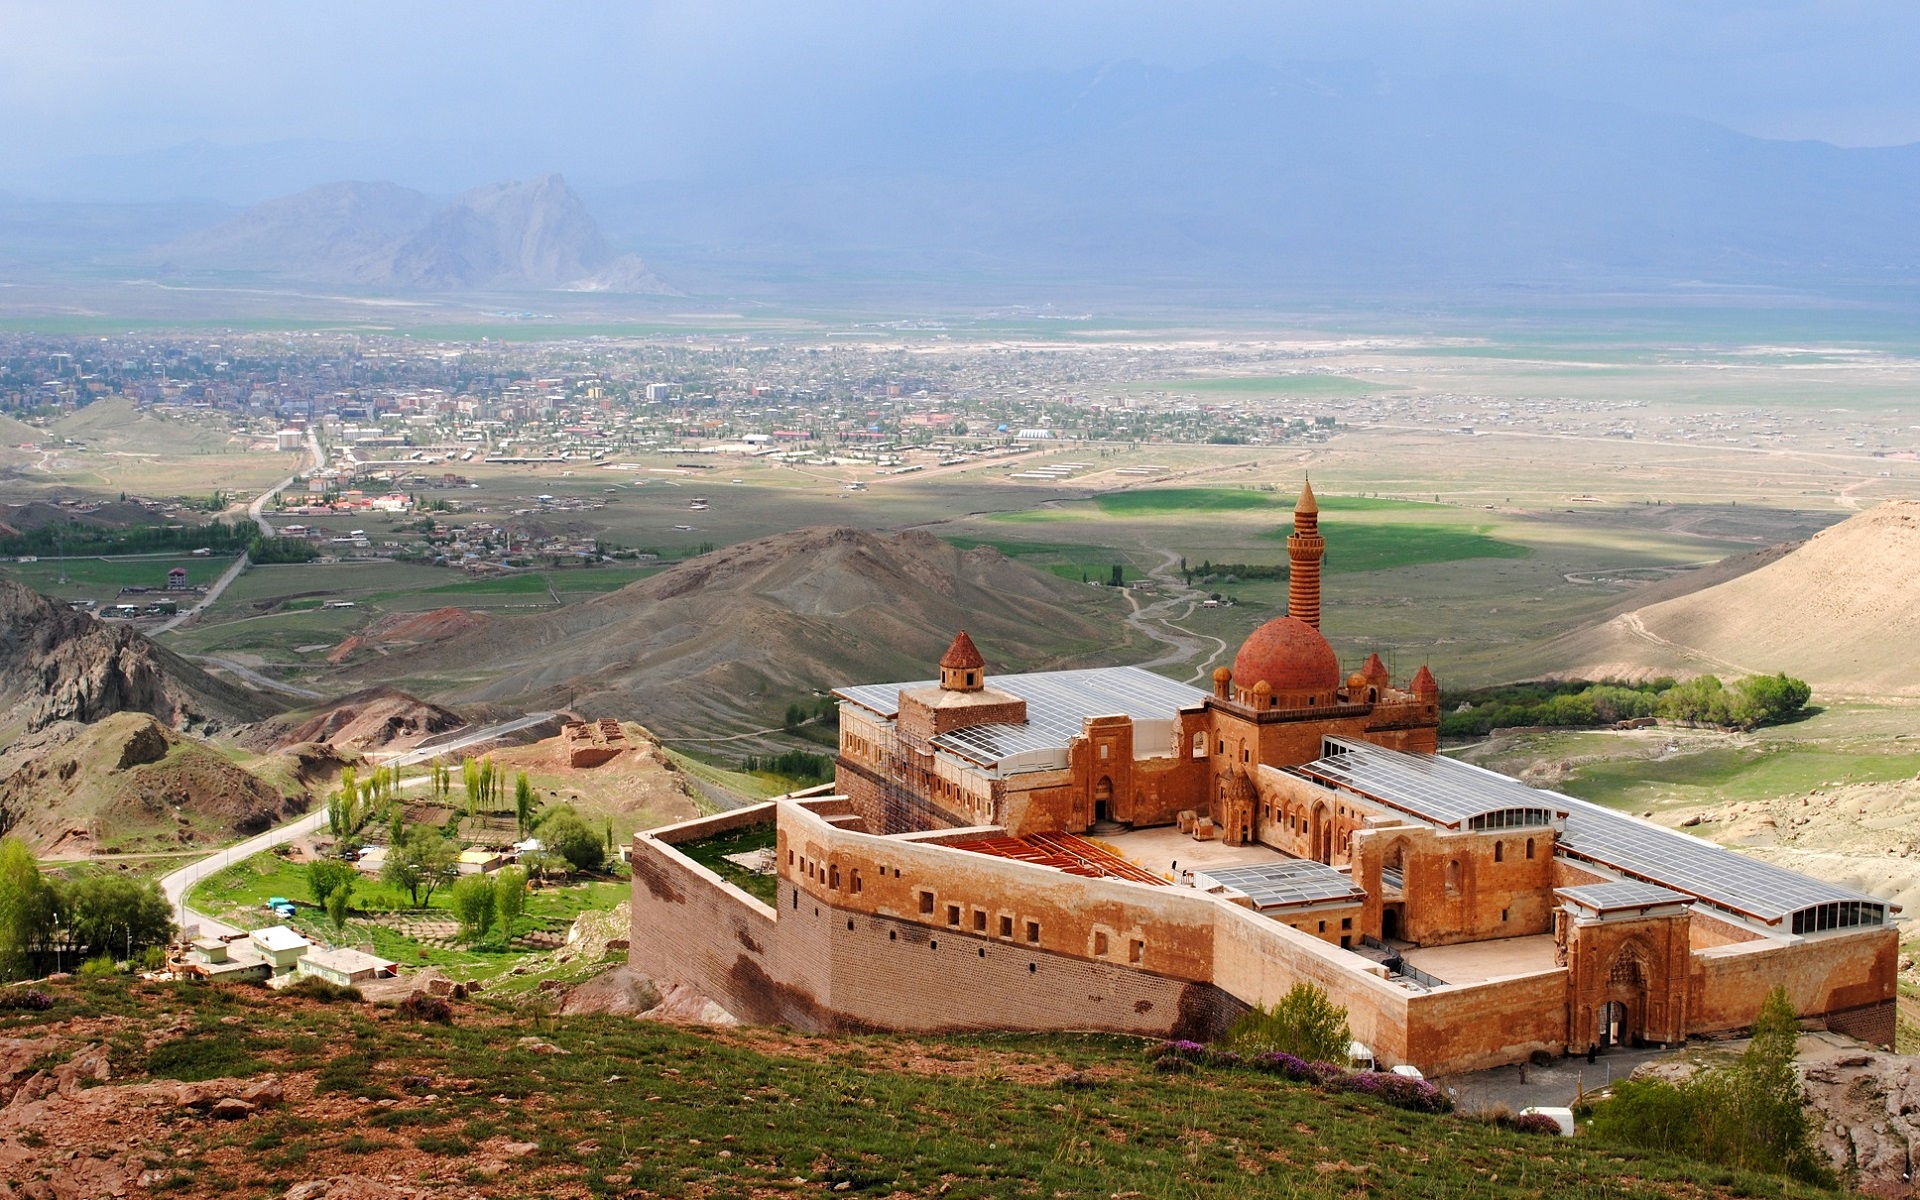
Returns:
point(519, 234)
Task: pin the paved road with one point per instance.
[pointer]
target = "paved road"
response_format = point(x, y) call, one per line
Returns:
point(254, 677)
point(177, 884)
point(315, 460)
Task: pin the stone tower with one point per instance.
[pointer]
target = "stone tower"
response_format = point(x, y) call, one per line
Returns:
point(1305, 548)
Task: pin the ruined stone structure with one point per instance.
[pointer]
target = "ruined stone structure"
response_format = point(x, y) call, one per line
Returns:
point(591, 743)
point(1110, 849)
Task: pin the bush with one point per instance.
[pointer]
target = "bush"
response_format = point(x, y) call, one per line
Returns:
point(1304, 1022)
point(422, 1007)
point(313, 987)
point(1532, 1123)
point(25, 1000)
point(1401, 1091)
point(99, 967)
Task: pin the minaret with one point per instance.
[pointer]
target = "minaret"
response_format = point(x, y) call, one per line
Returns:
point(1305, 548)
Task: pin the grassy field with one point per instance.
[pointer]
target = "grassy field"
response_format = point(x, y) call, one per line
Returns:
point(101, 579)
point(1732, 773)
point(238, 895)
point(636, 1108)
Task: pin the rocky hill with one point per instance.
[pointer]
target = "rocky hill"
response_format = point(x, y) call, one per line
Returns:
point(727, 640)
point(128, 783)
point(532, 234)
point(60, 665)
point(1842, 611)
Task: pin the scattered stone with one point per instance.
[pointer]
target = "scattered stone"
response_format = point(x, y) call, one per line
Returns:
point(520, 1149)
point(540, 1046)
point(231, 1109)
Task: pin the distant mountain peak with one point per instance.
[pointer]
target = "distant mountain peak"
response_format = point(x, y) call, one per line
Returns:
point(521, 234)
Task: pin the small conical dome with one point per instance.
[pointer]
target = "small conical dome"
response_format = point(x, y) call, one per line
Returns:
point(1306, 503)
point(963, 655)
point(1375, 670)
point(1424, 684)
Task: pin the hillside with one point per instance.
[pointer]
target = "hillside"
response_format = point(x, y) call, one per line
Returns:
point(60, 665)
point(534, 234)
point(338, 1105)
point(126, 783)
point(1841, 611)
point(725, 641)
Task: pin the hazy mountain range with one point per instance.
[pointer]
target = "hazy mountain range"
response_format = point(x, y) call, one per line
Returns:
point(1235, 177)
point(535, 234)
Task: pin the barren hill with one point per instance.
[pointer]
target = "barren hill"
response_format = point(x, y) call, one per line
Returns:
point(1841, 611)
point(372, 719)
point(727, 640)
point(127, 782)
point(60, 665)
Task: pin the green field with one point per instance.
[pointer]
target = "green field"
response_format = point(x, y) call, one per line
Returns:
point(102, 578)
point(1732, 774)
point(1158, 501)
point(1353, 548)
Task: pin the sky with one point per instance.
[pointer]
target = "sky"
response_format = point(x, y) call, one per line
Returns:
point(454, 92)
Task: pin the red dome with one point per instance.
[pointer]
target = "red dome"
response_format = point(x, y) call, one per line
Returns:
point(1290, 655)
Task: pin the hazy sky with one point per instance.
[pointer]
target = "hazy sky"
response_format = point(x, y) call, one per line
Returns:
point(636, 90)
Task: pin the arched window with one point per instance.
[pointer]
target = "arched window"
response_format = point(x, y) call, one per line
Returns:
point(1499, 852)
point(1453, 876)
point(1529, 847)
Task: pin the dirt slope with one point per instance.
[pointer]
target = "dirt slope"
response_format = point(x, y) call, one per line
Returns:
point(60, 665)
point(727, 640)
point(374, 719)
point(1841, 611)
point(126, 783)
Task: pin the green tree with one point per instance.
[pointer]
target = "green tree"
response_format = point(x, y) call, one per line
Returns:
point(525, 803)
point(421, 864)
point(26, 909)
point(474, 903)
point(1305, 1023)
point(112, 914)
point(326, 874)
point(509, 897)
point(1119, 577)
point(563, 832)
point(337, 901)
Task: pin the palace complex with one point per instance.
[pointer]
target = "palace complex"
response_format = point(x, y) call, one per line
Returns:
point(1110, 849)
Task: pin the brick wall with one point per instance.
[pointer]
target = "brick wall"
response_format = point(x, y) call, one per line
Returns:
point(1827, 973)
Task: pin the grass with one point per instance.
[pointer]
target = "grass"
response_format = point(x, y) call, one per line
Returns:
point(646, 1109)
point(1731, 773)
point(239, 893)
point(1353, 548)
point(1156, 501)
point(712, 852)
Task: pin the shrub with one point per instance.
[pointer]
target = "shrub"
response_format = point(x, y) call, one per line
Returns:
point(313, 987)
point(1414, 1095)
point(422, 1007)
point(25, 999)
point(1304, 1022)
point(1533, 1123)
point(99, 967)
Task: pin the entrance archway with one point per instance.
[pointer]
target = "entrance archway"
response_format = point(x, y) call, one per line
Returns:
point(1103, 799)
point(1390, 922)
point(1616, 1024)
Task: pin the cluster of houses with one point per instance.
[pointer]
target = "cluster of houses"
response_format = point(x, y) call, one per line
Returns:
point(276, 956)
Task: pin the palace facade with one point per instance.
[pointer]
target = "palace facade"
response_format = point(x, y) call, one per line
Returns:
point(1111, 849)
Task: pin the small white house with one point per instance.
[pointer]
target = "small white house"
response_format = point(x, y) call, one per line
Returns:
point(280, 946)
point(347, 966)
